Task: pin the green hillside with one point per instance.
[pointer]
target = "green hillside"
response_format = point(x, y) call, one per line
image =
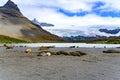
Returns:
point(107, 41)
point(7, 39)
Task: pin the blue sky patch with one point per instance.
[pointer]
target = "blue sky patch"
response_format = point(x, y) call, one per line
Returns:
point(97, 5)
point(71, 14)
point(109, 14)
point(66, 12)
point(95, 10)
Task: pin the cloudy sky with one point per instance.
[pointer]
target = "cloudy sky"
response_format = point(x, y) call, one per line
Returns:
point(71, 13)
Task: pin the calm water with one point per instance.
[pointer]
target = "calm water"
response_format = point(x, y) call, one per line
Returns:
point(70, 44)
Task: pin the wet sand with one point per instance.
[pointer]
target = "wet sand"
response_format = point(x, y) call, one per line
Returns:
point(17, 65)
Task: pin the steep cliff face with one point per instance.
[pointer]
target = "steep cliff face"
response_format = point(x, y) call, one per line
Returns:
point(14, 24)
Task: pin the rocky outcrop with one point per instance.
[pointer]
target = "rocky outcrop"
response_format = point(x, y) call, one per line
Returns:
point(11, 5)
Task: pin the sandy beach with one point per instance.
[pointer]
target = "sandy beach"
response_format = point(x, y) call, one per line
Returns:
point(15, 64)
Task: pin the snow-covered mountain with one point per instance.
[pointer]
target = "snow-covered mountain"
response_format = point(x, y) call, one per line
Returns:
point(86, 31)
point(66, 32)
point(99, 30)
point(42, 24)
point(105, 30)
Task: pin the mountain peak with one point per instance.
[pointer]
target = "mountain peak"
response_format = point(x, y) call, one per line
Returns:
point(35, 21)
point(11, 4)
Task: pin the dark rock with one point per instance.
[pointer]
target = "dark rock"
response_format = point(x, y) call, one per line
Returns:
point(12, 5)
point(72, 47)
point(9, 47)
point(114, 31)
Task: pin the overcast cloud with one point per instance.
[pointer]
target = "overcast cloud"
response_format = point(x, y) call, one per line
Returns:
point(71, 13)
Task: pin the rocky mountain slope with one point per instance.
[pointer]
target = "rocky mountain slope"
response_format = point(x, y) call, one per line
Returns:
point(14, 24)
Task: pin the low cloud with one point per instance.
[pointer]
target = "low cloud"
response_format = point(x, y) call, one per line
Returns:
point(48, 11)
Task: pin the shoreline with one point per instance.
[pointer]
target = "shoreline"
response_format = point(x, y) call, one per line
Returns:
point(75, 45)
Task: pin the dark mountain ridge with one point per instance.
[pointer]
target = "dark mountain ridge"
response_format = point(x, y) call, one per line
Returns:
point(113, 31)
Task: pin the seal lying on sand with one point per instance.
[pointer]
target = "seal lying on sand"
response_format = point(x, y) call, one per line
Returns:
point(44, 54)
